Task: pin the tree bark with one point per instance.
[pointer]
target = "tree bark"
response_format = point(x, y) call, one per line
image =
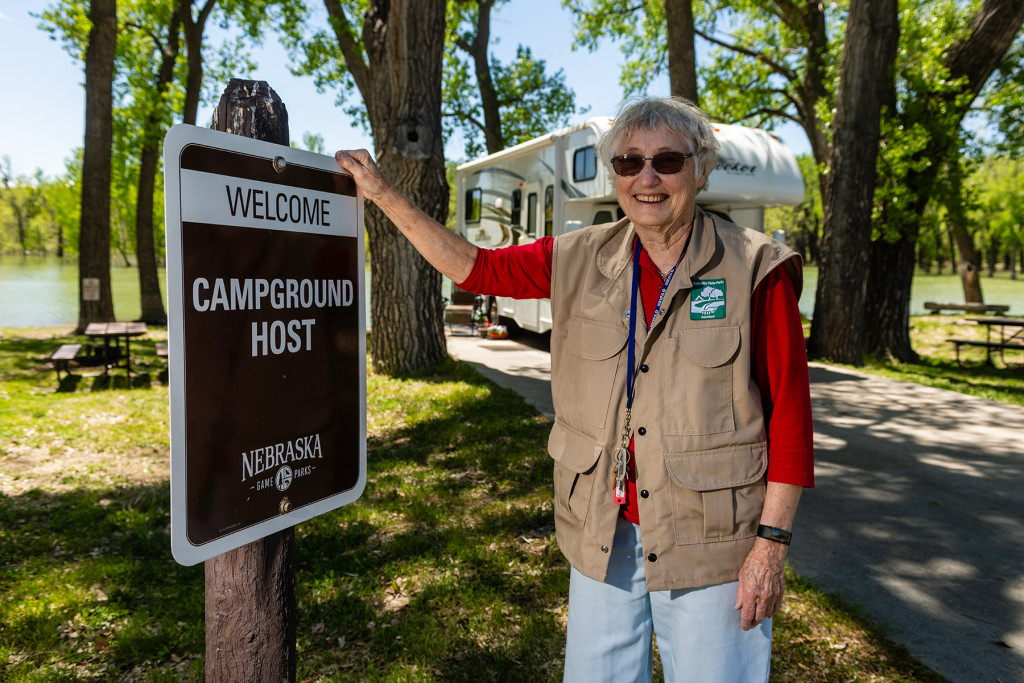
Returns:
point(250, 591)
point(973, 58)
point(152, 302)
point(682, 57)
point(969, 264)
point(837, 330)
point(812, 90)
point(890, 276)
point(493, 136)
point(194, 29)
point(94, 235)
point(400, 81)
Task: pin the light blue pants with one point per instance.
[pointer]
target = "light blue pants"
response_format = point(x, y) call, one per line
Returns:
point(698, 631)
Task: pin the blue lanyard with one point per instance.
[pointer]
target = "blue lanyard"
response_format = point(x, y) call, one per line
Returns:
point(630, 352)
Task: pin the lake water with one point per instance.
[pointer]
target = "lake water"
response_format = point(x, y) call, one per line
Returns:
point(37, 291)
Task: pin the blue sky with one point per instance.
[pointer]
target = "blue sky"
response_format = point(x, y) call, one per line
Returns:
point(43, 121)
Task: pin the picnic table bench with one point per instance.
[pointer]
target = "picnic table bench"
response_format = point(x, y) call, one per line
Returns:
point(1015, 340)
point(63, 356)
point(966, 308)
point(161, 349)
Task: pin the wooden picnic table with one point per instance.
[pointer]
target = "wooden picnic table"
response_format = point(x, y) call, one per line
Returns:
point(965, 308)
point(112, 334)
point(1014, 327)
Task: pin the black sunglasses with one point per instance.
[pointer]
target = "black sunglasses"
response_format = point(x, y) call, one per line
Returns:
point(664, 162)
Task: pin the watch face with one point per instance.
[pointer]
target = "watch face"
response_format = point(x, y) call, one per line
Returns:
point(773, 534)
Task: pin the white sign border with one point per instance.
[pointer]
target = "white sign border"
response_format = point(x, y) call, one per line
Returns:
point(177, 139)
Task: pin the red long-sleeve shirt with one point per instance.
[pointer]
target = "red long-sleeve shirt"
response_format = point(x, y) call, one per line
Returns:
point(778, 357)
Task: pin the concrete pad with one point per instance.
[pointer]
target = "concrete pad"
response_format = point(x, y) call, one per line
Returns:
point(523, 366)
point(918, 513)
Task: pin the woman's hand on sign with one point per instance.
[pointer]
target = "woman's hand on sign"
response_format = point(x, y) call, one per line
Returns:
point(360, 165)
point(442, 248)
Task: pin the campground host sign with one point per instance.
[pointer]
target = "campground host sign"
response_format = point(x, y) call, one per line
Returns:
point(267, 360)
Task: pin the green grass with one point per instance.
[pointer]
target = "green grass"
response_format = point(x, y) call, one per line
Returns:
point(447, 568)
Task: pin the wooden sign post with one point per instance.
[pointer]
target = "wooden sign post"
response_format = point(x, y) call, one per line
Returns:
point(250, 591)
point(267, 366)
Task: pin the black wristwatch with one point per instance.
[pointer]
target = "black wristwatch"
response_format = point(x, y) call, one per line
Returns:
point(772, 534)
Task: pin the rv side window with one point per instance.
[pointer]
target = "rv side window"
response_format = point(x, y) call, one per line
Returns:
point(549, 210)
point(531, 214)
point(474, 200)
point(517, 207)
point(602, 217)
point(584, 164)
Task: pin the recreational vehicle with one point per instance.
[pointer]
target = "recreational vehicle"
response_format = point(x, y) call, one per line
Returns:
point(555, 184)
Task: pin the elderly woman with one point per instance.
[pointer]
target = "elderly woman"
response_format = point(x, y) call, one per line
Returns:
point(682, 436)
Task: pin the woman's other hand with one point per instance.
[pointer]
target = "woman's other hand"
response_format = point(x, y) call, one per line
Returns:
point(761, 583)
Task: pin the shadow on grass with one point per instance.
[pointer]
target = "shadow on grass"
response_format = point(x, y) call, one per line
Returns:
point(89, 581)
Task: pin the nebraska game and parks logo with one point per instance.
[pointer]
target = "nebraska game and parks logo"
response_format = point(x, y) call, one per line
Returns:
point(707, 300)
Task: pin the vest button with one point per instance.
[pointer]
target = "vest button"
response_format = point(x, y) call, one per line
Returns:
point(642, 431)
point(604, 549)
point(644, 493)
point(652, 557)
point(644, 368)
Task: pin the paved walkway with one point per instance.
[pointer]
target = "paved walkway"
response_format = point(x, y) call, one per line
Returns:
point(917, 516)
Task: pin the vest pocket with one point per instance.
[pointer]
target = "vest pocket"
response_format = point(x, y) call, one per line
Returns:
point(701, 396)
point(575, 457)
point(588, 384)
point(717, 495)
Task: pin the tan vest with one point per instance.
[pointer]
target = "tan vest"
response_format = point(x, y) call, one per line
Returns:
point(701, 450)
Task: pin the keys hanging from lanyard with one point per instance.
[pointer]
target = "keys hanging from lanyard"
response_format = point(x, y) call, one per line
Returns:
point(620, 469)
point(620, 456)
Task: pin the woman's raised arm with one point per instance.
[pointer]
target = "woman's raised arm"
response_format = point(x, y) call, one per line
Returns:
point(441, 247)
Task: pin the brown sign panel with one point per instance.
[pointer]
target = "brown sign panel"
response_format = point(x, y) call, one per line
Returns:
point(267, 332)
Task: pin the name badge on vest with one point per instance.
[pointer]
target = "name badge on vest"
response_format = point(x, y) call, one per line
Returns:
point(707, 300)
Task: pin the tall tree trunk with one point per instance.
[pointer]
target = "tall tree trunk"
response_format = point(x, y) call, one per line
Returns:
point(890, 277)
point(973, 59)
point(682, 58)
point(969, 263)
point(812, 91)
point(250, 591)
point(493, 136)
point(94, 236)
point(837, 331)
point(152, 302)
point(194, 28)
point(400, 81)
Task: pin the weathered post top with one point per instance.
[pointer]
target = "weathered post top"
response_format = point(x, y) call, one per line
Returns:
point(253, 110)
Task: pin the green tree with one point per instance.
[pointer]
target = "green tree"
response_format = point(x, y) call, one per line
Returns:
point(505, 104)
point(657, 36)
point(998, 185)
point(150, 87)
point(869, 51)
point(1002, 101)
point(930, 108)
point(776, 61)
point(150, 70)
point(94, 235)
point(391, 53)
point(802, 223)
point(18, 197)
